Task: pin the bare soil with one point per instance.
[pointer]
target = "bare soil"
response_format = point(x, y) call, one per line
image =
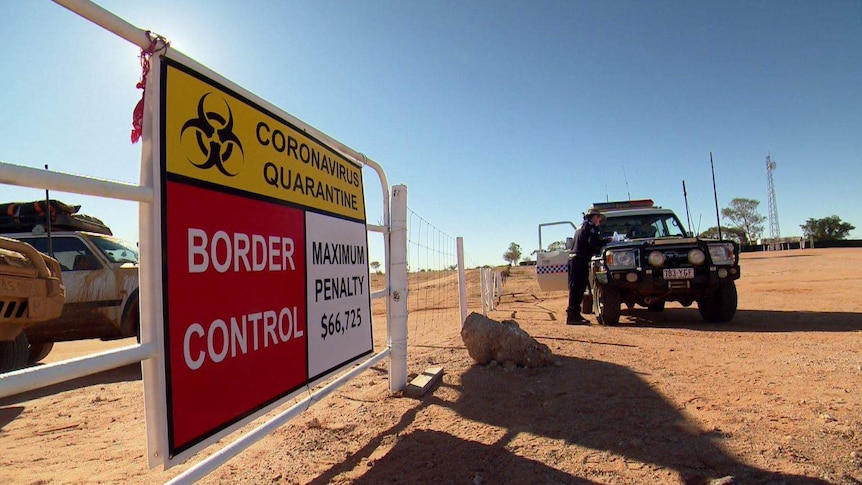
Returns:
point(771, 397)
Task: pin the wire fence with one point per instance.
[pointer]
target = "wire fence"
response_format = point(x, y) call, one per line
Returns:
point(432, 264)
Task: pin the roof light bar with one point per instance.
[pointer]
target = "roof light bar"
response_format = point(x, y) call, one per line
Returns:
point(624, 204)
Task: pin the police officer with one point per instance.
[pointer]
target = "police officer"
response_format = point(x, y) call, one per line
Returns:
point(588, 242)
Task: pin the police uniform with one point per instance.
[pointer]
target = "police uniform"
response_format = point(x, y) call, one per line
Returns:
point(588, 242)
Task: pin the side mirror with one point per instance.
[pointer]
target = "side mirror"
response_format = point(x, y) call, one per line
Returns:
point(570, 243)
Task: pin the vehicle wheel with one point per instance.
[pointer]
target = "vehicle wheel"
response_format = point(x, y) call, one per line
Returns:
point(131, 325)
point(606, 304)
point(13, 355)
point(656, 306)
point(719, 307)
point(39, 351)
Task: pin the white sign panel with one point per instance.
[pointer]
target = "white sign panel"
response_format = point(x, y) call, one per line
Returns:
point(339, 314)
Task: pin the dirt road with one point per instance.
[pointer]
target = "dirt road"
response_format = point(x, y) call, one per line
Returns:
point(772, 397)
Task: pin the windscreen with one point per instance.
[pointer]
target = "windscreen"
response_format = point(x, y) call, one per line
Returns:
point(117, 250)
point(643, 226)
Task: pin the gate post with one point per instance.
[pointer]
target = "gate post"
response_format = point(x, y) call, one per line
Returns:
point(483, 289)
point(462, 279)
point(397, 318)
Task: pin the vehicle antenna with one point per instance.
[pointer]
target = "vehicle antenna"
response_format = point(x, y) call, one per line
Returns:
point(48, 217)
point(715, 194)
point(699, 218)
point(687, 213)
point(627, 183)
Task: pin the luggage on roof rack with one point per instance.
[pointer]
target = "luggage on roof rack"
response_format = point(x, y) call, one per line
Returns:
point(25, 216)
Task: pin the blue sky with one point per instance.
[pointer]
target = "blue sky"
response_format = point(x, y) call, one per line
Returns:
point(497, 115)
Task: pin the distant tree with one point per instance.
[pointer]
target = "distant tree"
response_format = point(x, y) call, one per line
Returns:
point(452, 267)
point(557, 246)
point(827, 229)
point(513, 254)
point(375, 265)
point(526, 259)
point(733, 233)
point(743, 215)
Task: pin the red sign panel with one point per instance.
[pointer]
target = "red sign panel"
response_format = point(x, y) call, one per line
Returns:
point(236, 308)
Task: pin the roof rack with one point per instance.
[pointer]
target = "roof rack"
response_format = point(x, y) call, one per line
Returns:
point(27, 216)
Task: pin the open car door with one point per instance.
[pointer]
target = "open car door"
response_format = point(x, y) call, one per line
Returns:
point(552, 265)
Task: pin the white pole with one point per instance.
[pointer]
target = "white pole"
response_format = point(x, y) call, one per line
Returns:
point(494, 289)
point(32, 378)
point(489, 289)
point(107, 21)
point(150, 277)
point(489, 286)
point(498, 288)
point(483, 289)
point(398, 290)
point(462, 279)
point(492, 283)
point(42, 179)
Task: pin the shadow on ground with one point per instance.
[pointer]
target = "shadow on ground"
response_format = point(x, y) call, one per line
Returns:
point(439, 457)
point(607, 420)
point(9, 414)
point(746, 320)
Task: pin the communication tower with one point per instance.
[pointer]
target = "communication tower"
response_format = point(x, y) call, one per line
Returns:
point(774, 230)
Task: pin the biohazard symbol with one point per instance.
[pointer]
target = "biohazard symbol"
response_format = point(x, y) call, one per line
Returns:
point(215, 138)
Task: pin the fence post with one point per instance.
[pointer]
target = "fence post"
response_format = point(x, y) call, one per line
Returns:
point(482, 290)
point(397, 318)
point(492, 289)
point(462, 279)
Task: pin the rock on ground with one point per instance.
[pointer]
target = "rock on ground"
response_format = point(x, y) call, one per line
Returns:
point(504, 342)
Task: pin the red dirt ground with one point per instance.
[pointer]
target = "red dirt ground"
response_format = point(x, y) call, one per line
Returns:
point(771, 397)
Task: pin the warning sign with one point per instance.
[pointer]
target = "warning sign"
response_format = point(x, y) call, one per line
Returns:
point(215, 136)
point(265, 282)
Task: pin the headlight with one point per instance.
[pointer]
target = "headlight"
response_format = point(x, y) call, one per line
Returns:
point(656, 258)
point(696, 257)
point(722, 253)
point(622, 259)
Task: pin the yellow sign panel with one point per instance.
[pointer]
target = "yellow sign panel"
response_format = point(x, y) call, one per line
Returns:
point(215, 136)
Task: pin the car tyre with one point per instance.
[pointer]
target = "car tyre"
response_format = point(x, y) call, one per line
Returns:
point(606, 304)
point(720, 306)
point(39, 351)
point(657, 306)
point(131, 323)
point(13, 355)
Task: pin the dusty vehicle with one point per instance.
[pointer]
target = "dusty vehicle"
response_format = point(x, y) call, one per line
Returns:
point(31, 291)
point(100, 274)
point(652, 260)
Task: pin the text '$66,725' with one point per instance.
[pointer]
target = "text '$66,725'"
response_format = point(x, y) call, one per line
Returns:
point(332, 323)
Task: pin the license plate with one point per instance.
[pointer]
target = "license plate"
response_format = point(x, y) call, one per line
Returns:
point(679, 273)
